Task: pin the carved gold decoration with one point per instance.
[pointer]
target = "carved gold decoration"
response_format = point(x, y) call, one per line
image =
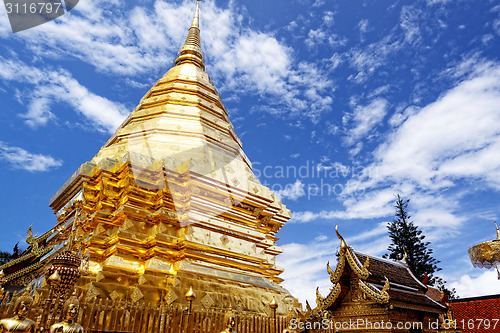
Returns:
point(207, 301)
point(137, 294)
point(99, 276)
point(171, 297)
point(92, 293)
point(319, 298)
point(142, 279)
point(379, 296)
point(67, 266)
point(332, 296)
point(114, 295)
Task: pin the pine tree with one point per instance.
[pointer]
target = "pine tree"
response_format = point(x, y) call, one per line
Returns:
point(405, 236)
point(5, 257)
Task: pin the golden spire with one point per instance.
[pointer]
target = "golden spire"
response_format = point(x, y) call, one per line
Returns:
point(498, 231)
point(191, 51)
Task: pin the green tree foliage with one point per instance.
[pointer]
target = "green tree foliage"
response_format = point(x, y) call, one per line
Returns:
point(5, 257)
point(407, 237)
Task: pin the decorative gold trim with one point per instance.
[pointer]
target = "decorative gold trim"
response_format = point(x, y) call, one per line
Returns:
point(319, 299)
point(379, 297)
point(361, 272)
point(332, 296)
point(335, 275)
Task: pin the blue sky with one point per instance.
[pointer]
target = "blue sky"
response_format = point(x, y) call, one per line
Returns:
point(340, 106)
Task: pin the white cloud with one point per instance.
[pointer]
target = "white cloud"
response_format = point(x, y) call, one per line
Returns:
point(366, 60)
point(409, 21)
point(59, 86)
point(399, 117)
point(318, 3)
point(444, 141)
point(142, 40)
point(365, 119)
point(310, 258)
point(432, 151)
point(363, 26)
point(257, 63)
point(358, 205)
point(292, 191)
point(315, 38)
point(22, 159)
point(328, 18)
point(363, 29)
point(485, 284)
point(5, 29)
point(496, 22)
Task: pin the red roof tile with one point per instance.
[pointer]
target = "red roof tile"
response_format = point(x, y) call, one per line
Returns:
point(474, 314)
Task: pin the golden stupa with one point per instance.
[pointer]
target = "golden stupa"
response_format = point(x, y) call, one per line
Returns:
point(170, 202)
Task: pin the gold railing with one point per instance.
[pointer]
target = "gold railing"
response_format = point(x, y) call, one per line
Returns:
point(106, 315)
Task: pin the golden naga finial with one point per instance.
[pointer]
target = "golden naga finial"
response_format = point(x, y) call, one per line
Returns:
point(319, 298)
point(406, 255)
point(498, 231)
point(343, 244)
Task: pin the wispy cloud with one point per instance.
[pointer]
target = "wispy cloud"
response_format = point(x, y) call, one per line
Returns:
point(51, 86)
point(410, 24)
point(22, 159)
point(431, 151)
point(292, 191)
point(128, 43)
point(454, 137)
point(364, 119)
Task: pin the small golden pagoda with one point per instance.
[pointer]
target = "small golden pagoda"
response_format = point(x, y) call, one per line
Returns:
point(168, 203)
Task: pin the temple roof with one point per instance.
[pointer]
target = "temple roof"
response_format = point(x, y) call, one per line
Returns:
point(413, 298)
point(396, 272)
point(379, 280)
